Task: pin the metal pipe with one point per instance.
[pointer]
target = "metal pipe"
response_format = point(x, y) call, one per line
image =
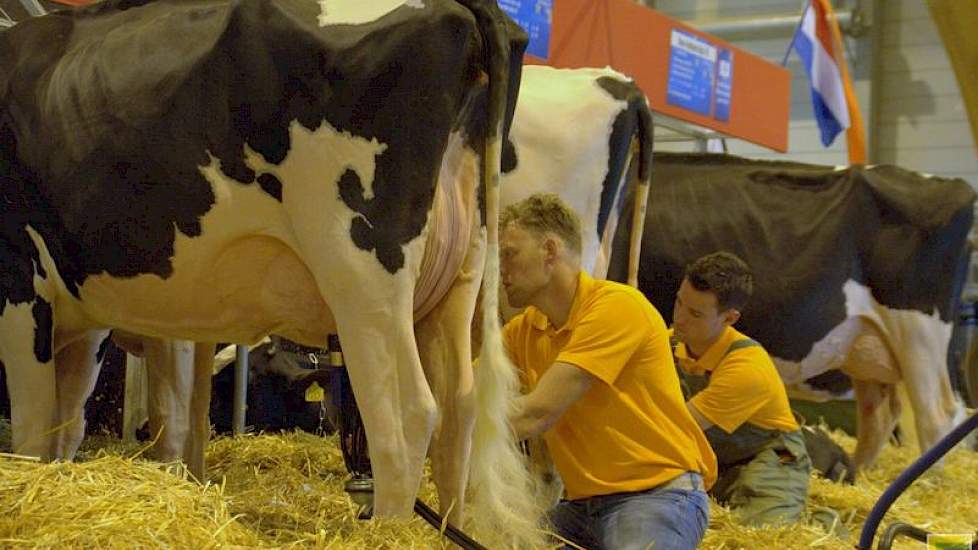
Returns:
point(777, 24)
point(33, 7)
point(900, 529)
point(875, 85)
point(908, 476)
point(240, 390)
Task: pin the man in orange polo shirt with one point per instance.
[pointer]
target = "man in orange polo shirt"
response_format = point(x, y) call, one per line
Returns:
point(737, 396)
point(604, 392)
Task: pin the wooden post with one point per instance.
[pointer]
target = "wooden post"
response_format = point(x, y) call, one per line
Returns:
point(135, 407)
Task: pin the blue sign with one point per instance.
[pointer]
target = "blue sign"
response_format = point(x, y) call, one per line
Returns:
point(721, 111)
point(535, 17)
point(692, 65)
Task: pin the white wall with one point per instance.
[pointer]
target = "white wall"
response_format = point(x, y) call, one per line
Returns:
point(923, 124)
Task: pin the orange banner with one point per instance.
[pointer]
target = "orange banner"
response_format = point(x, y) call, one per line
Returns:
point(637, 41)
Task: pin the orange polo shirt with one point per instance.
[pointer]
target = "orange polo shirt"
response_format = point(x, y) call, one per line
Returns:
point(744, 386)
point(631, 431)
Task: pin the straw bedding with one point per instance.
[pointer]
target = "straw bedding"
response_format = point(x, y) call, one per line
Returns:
point(286, 491)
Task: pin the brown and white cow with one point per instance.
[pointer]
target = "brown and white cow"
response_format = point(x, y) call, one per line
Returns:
point(305, 152)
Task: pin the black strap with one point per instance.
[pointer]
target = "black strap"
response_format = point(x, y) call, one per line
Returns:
point(692, 384)
point(305, 353)
point(741, 344)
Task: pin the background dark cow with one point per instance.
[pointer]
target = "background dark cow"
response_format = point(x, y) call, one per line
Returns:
point(307, 152)
point(856, 269)
point(278, 385)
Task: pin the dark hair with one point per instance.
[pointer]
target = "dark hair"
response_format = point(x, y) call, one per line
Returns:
point(725, 275)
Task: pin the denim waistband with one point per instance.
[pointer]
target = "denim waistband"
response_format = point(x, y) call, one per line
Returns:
point(689, 481)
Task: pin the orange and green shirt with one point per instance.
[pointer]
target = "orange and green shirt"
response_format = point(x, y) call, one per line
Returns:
point(631, 431)
point(744, 386)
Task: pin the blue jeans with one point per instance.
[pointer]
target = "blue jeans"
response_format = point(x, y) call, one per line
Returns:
point(673, 516)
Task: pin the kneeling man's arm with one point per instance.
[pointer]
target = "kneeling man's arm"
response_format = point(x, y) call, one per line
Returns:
point(559, 388)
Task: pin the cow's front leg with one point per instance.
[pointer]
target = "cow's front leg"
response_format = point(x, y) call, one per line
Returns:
point(76, 371)
point(26, 350)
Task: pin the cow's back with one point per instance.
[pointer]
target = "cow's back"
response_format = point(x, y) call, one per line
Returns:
point(805, 230)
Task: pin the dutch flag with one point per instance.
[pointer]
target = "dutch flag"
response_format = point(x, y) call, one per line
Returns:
point(813, 42)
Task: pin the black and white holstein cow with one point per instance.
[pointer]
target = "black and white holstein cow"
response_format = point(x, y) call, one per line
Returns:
point(325, 158)
point(856, 269)
point(591, 163)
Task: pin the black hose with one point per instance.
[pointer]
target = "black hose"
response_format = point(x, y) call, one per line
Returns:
point(353, 443)
point(452, 533)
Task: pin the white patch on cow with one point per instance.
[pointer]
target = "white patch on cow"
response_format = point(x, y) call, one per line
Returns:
point(261, 266)
point(909, 333)
point(561, 128)
point(358, 12)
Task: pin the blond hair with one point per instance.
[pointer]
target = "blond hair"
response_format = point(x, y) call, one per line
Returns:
point(542, 213)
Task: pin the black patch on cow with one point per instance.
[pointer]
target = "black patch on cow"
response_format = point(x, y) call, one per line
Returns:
point(103, 348)
point(271, 185)
point(19, 257)
point(119, 126)
point(510, 160)
point(628, 123)
point(804, 230)
point(834, 382)
point(43, 330)
point(475, 127)
point(367, 232)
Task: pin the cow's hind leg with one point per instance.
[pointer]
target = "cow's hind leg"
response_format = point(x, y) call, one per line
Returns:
point(935, 406)
point(878, 412)
point(26, 349)
point(200, 404)
point(397, 407)
point(445, 348)
point(77, 368)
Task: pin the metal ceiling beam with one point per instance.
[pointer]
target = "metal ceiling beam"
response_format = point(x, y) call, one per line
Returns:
point(33, 7)
point(850, 21)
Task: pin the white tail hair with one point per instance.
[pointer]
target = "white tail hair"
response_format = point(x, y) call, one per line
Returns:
point(503, 511)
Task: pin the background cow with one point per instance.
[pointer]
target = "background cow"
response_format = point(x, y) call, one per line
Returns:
point(858, 270)
point(281, 145)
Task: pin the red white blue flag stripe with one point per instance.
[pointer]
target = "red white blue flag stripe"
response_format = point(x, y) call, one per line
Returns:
point(813, 42)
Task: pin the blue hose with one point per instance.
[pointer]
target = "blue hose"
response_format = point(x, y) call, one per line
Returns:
point(908, 476)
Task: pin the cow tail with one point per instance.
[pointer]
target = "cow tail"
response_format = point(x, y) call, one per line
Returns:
point(502, 513)
point(645, 134)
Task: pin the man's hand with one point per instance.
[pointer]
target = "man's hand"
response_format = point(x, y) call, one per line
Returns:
point(559, 388)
